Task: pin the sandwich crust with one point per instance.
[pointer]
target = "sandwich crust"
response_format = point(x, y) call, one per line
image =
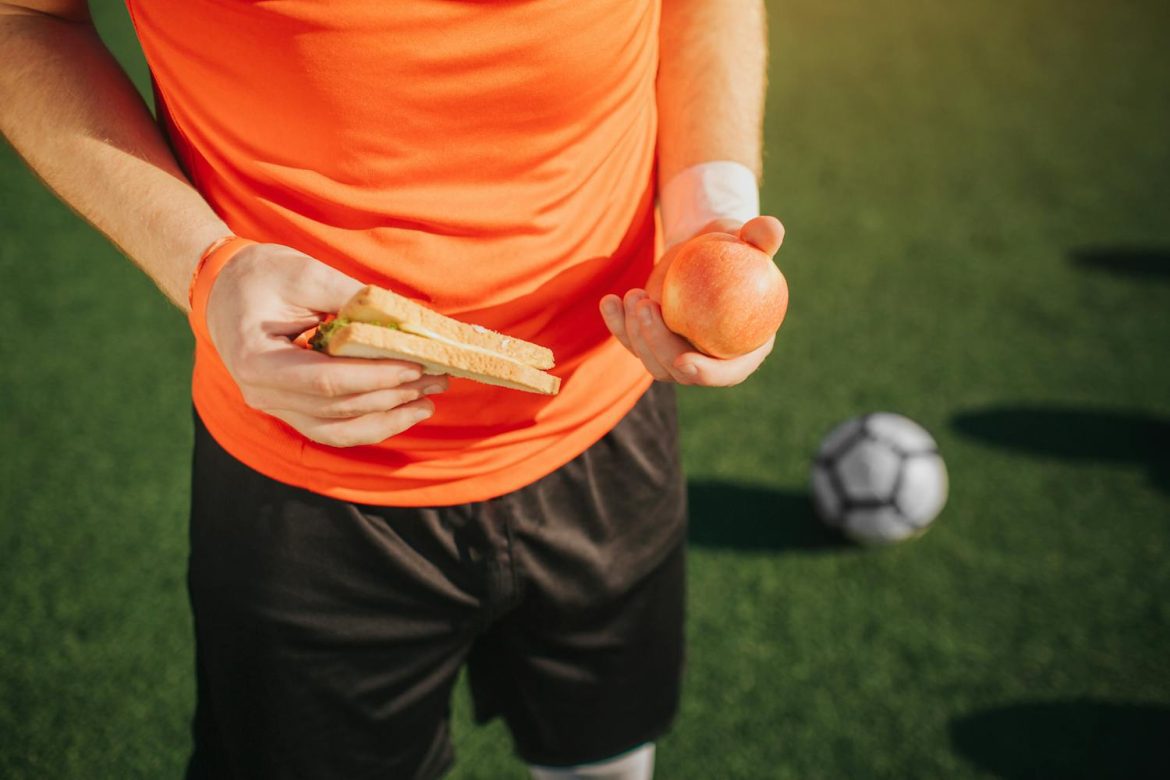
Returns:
point(360, 339)
point(378, 305)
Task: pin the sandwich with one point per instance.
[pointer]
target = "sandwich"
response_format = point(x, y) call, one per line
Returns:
point(376, 323)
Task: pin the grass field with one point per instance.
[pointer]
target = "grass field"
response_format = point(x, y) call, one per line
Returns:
point(977, 198)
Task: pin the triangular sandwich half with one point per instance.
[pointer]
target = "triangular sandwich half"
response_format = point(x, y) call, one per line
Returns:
point(377, 323)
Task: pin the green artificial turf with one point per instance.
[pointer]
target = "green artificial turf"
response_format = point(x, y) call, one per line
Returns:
point(977, 198)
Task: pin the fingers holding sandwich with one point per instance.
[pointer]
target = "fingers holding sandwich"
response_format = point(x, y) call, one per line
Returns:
point(337, 388)
point(341, 403)
point(268, 294)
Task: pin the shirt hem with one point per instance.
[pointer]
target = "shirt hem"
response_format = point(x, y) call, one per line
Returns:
point(471, 489)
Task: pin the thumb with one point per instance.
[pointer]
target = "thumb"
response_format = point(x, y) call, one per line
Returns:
point(765, 232)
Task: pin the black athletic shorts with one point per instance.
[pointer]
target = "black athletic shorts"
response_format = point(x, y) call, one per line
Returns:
point(329, 635)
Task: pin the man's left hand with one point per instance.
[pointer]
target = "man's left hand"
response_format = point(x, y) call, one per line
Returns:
point(636, 321)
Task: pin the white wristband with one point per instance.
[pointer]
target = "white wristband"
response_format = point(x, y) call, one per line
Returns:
point(707, 191)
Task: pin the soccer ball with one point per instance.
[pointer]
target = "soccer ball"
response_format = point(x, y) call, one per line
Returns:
point(879, 479)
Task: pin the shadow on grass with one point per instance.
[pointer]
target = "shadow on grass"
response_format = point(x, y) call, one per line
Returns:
point(1082, 738)
point(743, 517)
point(1148, 263)
point(1094, 435)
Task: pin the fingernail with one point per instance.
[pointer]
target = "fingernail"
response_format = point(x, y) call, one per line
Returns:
point(421, 414)
point(411, 375)
point(647, 316)
point(689, 369)
point(609, 307)
point(432, 389)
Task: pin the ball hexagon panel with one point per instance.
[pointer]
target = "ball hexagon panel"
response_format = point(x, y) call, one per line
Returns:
point(868, 471)
point(923, 488)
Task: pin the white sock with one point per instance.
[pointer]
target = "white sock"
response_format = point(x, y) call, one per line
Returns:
point(638, 764)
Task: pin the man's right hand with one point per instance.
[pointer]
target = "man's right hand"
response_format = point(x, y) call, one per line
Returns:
point(265, 297)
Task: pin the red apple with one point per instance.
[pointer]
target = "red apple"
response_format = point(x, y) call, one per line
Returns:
point(723, 295)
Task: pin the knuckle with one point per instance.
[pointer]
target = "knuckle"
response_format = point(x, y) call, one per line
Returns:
point(347, 407)
point(704, 378)
point(323, 384)
point(337, 411)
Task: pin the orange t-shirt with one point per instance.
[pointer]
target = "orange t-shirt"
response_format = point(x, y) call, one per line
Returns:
point(494, 160)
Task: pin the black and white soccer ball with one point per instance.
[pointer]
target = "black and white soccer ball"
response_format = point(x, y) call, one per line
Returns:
point(879, 479)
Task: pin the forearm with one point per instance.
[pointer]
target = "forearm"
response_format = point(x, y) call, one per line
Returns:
point(70, 111)
point(711, 84)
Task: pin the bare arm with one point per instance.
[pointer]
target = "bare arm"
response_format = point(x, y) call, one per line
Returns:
point(711, 83)
point(69, 109)
point(72, 113)
point(712, 75)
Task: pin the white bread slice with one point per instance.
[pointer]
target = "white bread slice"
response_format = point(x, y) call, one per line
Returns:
point(359, 339)
point(377, 305)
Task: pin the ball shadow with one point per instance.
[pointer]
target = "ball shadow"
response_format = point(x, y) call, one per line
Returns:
point(1096, 435)
point(1070, 739)
point(1147, 263)
point(731, 516)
